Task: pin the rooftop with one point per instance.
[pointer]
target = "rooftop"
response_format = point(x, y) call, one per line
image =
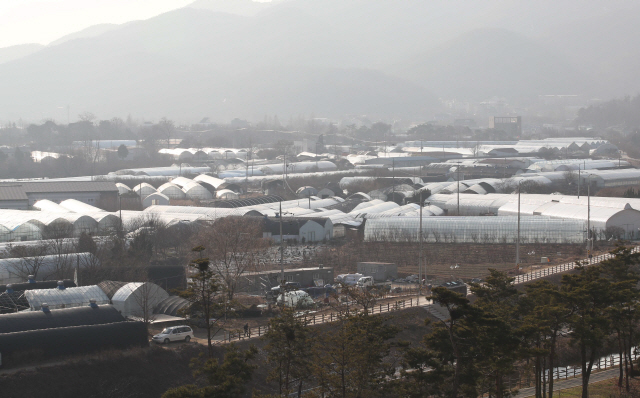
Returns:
point(19, 191)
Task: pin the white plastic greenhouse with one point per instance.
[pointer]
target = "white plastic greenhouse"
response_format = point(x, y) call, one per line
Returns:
point(52, 207)
point(137, 298)
point(172, 191)
point(77, 206)
point(69, 297)
point(181, 181)
point(299, 167)
point(122, 189)
point(16, 270)
point(226, 194)
point(144, 189)
point(196, 191)
point(476, 229)
point(305, 192)
point(155, 198)
point(209, 180)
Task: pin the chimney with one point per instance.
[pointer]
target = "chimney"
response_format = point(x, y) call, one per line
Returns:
point(45, 308)
point(32, 279)
point(61, 285)
point(92, 303)
point(9, 288)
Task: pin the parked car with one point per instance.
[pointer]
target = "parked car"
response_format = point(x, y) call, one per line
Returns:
point(298, 298)
point(174, 333)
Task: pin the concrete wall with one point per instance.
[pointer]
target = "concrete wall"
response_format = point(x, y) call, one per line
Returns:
point(379, 271)
point(14, 204)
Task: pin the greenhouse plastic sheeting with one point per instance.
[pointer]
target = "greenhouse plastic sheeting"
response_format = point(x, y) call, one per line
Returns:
point(70, 297)
point(476, 229)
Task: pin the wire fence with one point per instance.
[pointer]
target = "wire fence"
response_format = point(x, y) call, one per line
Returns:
point(568, 372)
point(318, 319)
point(564, 267)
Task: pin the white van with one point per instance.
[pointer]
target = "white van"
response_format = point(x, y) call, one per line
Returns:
point(174, 333)
point(349, 279)
point(366, 281)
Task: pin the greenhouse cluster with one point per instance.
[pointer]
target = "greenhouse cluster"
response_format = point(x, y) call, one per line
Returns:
point(55, 266)
point(54, 220)
point(603, 214)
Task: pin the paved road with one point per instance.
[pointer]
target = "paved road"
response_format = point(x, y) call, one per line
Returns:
point(571, 383)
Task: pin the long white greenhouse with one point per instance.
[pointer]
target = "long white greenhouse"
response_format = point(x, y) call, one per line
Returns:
point(16, 270)
point(195, 191)
point(475, 229)
point(69, 297)
point(172, 191)
point(144, 189)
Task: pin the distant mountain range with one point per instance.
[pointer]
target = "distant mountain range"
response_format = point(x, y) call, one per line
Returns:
point(238, 58)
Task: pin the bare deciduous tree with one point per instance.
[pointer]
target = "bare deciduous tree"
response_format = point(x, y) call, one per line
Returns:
point(234, 246)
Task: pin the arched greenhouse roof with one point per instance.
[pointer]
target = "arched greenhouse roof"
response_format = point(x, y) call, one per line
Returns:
point(80, 316)
point(197, 191)
point(70, 297)
point(172, 190)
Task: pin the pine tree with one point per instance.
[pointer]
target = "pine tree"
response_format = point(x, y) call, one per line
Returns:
point(288, 351)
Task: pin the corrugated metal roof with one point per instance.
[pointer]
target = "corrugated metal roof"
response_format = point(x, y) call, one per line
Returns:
point(14, 192)
point(20, 191)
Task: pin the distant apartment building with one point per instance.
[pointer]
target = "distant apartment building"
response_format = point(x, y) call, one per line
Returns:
point(512, 125)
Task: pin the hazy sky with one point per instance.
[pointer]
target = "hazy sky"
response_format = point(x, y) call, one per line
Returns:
point(43, 21)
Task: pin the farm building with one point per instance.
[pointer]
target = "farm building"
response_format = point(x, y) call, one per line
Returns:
point(21, 195)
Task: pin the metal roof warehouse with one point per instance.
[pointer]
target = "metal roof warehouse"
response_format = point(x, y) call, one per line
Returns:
point(23, 195)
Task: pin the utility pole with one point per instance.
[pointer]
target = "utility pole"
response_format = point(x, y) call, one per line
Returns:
point(393, 176)
point(420, 253)
point(589, 219)
point(281, 254)
point(121, 224)
point(246, 174)
point(578, 180)
point(458, 172)
point(518, 237)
